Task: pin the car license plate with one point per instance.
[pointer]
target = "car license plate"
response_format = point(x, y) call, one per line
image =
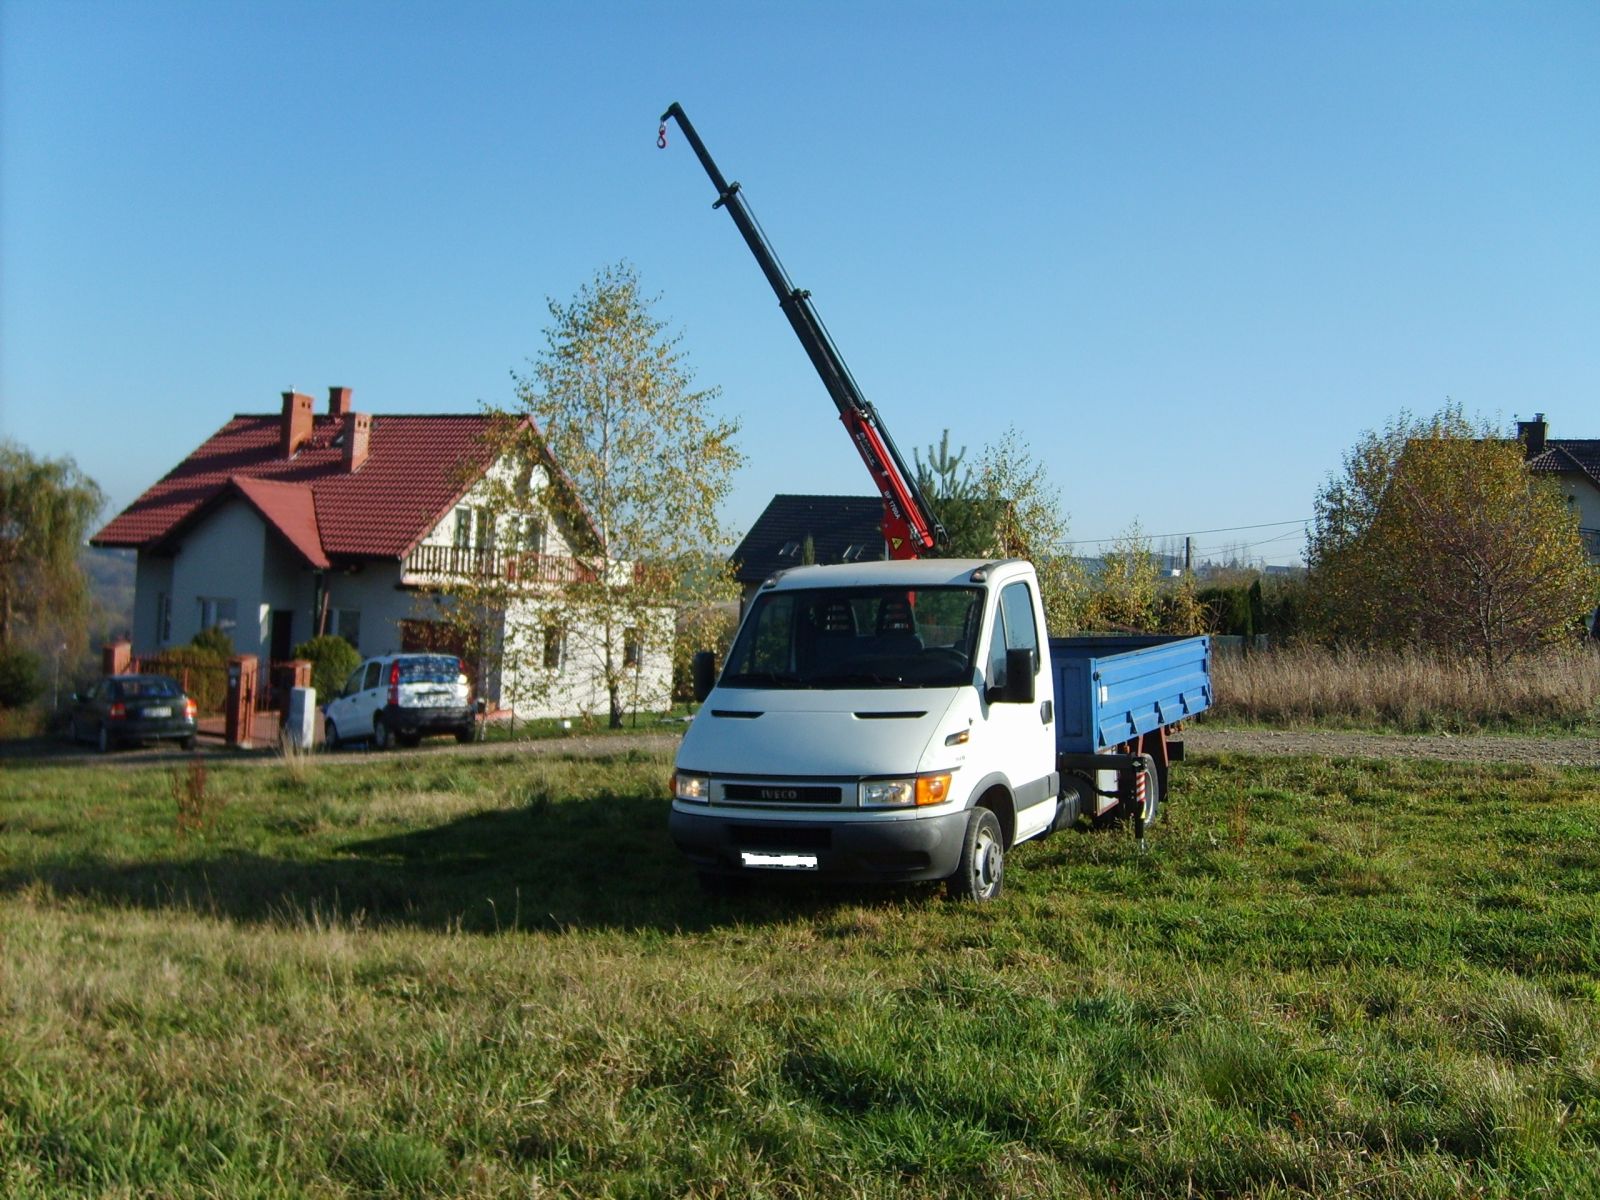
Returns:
point(160, 711)
point(779, 862)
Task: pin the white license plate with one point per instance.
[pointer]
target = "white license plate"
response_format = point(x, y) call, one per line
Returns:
point(163, 711)
point(779, 862)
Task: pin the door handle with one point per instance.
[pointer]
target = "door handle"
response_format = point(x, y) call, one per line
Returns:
point(1047, 712)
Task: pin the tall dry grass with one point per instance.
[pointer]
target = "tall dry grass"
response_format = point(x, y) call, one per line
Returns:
point(1411, 691)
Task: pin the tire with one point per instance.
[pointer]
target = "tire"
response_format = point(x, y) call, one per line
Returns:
point(330, 735)
point(187, 743)
point(466, 734)
point(1122, 814)
point(103, 741)
point(408, 739)
point(980, 876)
point(382, 739)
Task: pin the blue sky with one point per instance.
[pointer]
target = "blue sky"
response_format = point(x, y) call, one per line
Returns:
point(1189, 250)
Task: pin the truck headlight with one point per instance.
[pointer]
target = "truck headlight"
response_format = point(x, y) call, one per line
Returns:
point(694, 788)
point(912, 792)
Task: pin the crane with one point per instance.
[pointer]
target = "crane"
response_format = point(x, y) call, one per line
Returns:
point(910, 528)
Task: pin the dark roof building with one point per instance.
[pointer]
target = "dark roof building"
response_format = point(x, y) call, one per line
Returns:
point(841, 529)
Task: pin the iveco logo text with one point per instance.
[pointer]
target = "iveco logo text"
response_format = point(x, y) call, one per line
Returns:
point(779, 794)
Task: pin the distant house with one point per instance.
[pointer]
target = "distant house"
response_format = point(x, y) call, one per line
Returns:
point(282, 526)
point(1574, 463)
point(839, 529)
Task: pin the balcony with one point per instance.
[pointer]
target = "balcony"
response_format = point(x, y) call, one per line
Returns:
point(435, 564)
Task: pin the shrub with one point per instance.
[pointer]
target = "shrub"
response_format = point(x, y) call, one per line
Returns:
point(332, 659)
point(201, 672)
point(214, 641)
point(20, 680)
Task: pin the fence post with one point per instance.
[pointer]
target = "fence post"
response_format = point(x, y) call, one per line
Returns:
point(116, 658)
point(239, 714)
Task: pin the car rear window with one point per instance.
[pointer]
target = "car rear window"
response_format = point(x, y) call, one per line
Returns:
point(430, 668)
point(155, 687)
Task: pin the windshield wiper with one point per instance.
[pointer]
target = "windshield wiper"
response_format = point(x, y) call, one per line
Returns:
point(762, 678)
point(846, 678)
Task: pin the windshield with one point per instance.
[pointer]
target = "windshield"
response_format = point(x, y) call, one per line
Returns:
point(430, 668)
point(857, 637)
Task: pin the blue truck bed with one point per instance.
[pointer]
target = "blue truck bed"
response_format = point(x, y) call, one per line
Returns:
point(1111, 689)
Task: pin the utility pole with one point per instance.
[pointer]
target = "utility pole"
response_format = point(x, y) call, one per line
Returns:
point(1188, 555)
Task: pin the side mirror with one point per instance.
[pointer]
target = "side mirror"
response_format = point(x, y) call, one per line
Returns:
point(703, 669)
point(1018, 687)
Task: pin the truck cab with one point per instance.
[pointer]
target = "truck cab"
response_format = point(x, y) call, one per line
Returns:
point(876, 721)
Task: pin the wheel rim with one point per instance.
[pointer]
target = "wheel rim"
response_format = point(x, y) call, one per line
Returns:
point(988, 860)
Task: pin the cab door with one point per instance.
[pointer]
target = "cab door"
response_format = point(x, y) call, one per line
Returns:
point(1022, 734)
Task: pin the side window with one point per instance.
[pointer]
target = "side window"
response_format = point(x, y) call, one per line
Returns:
point(371, 680)
point(1014, 630)
point(353, 684)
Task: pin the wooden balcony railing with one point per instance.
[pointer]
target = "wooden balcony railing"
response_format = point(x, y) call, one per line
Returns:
point(488, 563)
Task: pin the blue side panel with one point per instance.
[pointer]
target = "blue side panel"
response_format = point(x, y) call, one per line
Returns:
point(1111, 689)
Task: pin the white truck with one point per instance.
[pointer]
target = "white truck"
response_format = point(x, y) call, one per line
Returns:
point(910, 720)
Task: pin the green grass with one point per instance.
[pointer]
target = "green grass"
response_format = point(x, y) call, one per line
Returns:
point(491, 976)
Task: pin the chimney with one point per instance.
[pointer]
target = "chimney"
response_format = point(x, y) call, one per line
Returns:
point(297, 421)
point(1532, 434)
point(338, 401)
point(357, 430)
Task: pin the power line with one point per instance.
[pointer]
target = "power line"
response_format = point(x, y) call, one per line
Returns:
point(1150, 537)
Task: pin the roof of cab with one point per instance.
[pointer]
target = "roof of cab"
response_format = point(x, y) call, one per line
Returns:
point(922, 572)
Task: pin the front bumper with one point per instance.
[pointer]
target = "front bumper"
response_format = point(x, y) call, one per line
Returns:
point(867, 850)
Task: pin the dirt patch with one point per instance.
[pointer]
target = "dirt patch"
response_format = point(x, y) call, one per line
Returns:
point(1338, 743)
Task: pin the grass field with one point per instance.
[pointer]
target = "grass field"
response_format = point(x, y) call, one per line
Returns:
point(489, 975)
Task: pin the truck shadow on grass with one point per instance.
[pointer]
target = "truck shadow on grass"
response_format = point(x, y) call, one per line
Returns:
point(601, 863)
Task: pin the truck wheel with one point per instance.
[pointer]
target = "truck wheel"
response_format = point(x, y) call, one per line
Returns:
point(382, 739)
point(1120, 814)
point(981, 873)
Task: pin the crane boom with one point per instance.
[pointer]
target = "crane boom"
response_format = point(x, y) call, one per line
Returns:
point(910, 528)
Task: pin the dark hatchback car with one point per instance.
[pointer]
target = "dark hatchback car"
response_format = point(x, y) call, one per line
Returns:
point(133, 708)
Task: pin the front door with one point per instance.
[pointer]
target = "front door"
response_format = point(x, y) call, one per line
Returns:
point(1022, 737)
point(280, 644)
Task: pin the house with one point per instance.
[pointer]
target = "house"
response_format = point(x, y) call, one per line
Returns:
point(1574, 463)
point(840, 529)
point(282, 526)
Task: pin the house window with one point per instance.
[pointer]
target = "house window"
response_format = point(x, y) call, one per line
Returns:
point(163, 618)
point(632, 647)
point(555, 647)
point(347, 624)
point(533, 535)
point(485, 538)
point(463, 538)
point(219, 612)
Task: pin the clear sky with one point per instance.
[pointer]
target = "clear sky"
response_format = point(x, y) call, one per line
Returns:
point(1189, 250)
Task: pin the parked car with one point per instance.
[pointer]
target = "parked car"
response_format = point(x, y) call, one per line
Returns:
point(133, 708)
point(401, 698)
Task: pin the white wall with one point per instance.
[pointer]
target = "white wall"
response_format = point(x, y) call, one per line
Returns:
point(579, 688)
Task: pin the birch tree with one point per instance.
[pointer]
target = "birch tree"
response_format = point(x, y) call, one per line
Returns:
point(610, 441)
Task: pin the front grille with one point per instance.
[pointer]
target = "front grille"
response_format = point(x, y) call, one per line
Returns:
point(779, 793)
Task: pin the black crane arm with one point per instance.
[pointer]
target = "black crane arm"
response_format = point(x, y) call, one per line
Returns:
point(910, 527)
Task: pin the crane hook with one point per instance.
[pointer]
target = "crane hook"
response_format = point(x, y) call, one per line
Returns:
point(661, 137)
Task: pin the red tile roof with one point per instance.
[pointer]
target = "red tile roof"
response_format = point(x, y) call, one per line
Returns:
point(417, 467)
